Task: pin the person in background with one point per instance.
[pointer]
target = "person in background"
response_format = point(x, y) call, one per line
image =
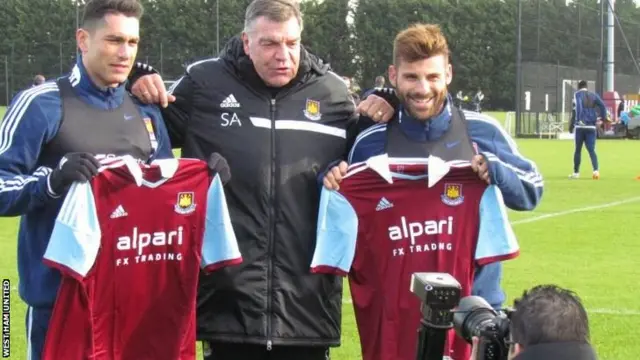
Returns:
point(38, 80)
point(588, 112)
point(378, 85)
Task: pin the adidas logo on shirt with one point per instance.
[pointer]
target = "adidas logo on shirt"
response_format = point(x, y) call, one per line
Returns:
point(384, 204)
point(230, 102)
point(118, 212)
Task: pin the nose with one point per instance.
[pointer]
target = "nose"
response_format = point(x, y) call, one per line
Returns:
point(281, 53)
point(126, 51)
point(423, 86)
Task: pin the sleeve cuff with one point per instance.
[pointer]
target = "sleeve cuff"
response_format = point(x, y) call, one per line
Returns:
point(50, 191)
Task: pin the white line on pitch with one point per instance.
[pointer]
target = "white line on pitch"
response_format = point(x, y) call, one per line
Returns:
point(573, 211)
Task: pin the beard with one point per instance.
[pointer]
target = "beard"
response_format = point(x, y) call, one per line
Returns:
point(422, 106)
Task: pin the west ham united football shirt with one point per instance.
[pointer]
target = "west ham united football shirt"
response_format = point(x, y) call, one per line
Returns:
point(130, 245)
point(391, 219)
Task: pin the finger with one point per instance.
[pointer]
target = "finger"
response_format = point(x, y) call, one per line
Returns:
point(485, 176)
point(152, 92)
point(474, 165)
point(330, 183)
point(387, 111)
point(162, 91)
point(171, 98)
point(91, 159)
point(337, 175)
point(90, 166)
point(363, 107)
point(343, 166)
point(327, 183)
point(143, 93)
point(83, 173)
point(137, 90)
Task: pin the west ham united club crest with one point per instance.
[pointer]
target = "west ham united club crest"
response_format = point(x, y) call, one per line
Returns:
point(312, 110)
point(185, 203)
point(452, 194)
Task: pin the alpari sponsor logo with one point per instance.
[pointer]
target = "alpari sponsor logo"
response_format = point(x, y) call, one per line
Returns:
point(150, 246)
point(418, 233)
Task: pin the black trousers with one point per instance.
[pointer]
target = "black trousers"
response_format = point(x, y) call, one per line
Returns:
point(231, 351)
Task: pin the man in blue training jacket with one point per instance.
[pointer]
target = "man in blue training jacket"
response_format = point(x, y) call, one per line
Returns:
point(420, 74)
point(54, 134)
point(588, 109)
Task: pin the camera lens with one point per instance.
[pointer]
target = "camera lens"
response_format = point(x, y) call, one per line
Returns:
point(472, 316)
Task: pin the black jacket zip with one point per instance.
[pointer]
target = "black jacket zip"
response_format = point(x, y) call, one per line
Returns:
point(272, 220)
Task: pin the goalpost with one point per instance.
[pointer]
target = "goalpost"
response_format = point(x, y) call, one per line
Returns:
point(569, 87)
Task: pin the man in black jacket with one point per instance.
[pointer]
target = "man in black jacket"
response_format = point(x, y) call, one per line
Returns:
point(279, 117)
point(549, 323)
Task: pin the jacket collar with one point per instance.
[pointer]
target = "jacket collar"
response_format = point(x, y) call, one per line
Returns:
point(82, 83)
point(429, 130)
point(240, 63)
point(558, 351)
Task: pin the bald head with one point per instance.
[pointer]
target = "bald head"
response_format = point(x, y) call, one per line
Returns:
point(38, 80)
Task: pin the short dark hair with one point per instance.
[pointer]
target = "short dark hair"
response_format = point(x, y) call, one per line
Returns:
point(549, 314)
point(582, 84)
point(379, 82)
point(96, 10)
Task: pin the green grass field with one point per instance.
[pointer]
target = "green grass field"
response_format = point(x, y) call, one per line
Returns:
point(583, 236)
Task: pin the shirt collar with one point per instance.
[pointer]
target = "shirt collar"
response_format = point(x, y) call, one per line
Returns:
point(429, 130)
point(81, 81)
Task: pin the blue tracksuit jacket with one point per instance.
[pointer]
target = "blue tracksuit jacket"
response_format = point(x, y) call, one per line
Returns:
point(517, 177)
point(31, 121)
point(587, 107)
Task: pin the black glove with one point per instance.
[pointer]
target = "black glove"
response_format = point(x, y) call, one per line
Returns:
point(571, 128)
point(218, 165)
point(73, 167)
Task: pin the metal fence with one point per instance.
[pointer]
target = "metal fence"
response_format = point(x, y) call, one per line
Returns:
point(561, 44)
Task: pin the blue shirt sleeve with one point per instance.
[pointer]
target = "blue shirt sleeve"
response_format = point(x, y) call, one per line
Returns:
point(76, 235)
point(337, 232)
point(30, 122)
point(496, 241)
point(517, 177)
point(219, 246)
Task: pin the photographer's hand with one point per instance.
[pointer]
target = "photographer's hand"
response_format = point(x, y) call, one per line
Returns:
point(474, 349)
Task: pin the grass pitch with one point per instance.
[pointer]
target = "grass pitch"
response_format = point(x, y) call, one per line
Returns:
point(583, 236)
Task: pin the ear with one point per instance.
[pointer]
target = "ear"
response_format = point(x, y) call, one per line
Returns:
point(83, 40)
point(245, 42)
point(393, 75)
point(449, 75)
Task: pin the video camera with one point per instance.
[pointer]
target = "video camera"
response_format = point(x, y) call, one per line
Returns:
point(473, 316)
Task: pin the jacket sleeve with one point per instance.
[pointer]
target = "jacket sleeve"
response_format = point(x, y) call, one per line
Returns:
point(31, 121)
point(517, 177)
point(176, 115)
point(346, 106)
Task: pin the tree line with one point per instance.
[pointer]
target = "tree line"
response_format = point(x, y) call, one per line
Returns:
point(357, 41)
